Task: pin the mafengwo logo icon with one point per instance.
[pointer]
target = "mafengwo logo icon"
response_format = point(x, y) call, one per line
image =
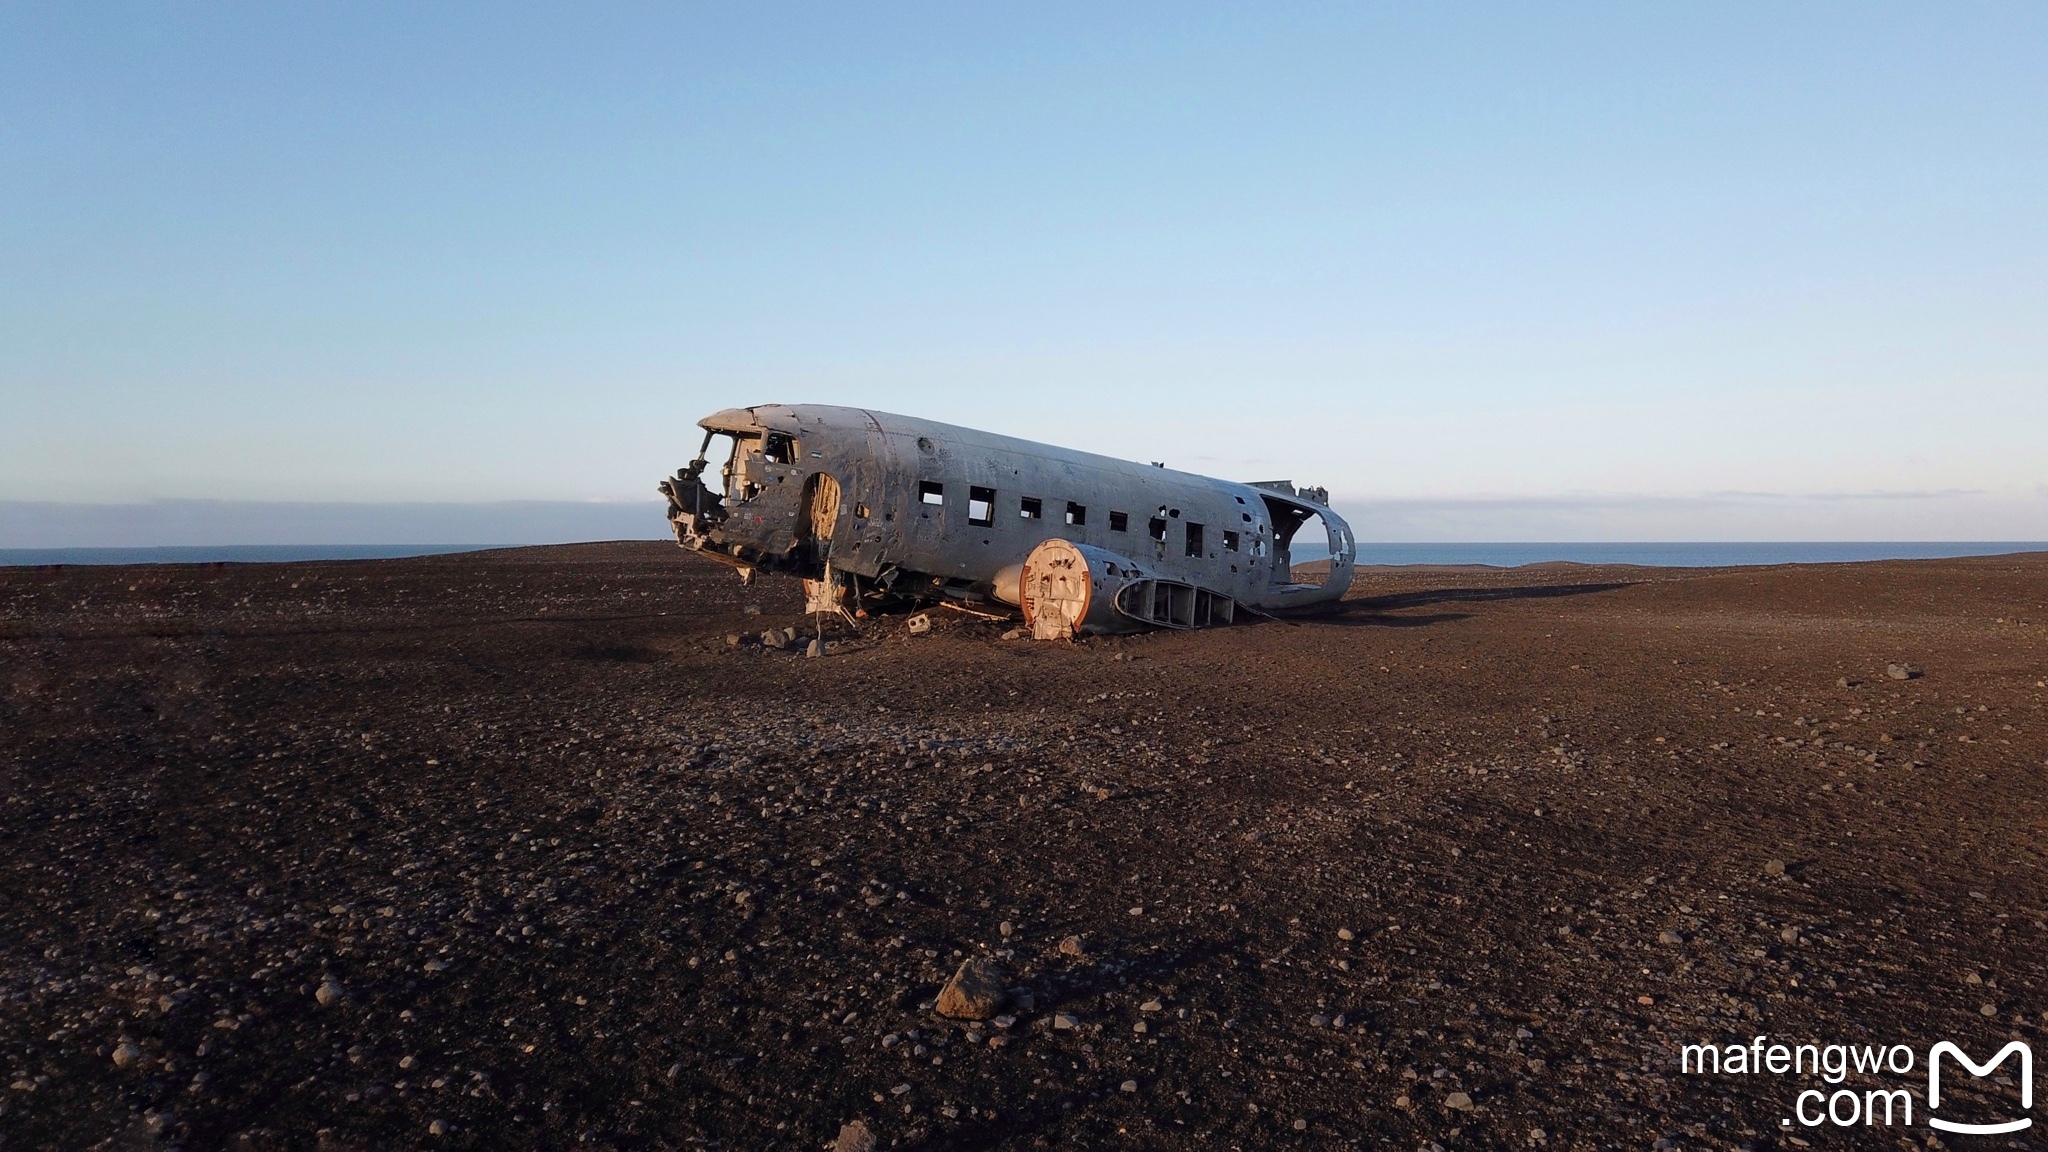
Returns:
point(2026, 1074)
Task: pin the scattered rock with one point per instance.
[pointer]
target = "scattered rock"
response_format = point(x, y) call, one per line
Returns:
point(1007, 929)
point(1987, 1010)
point(1150, 1006)
point(974, 992)
point(1789, 935)
point(1669, 937)
point(1014, 634)
point(1129, 1086)
point(1774, 868)
point(330, 992)
point(1067, 1021)
point(126, 1053)
point(1902, 671)
point(1071, 946)
point(1458, 1101)
point(854, 1137)
point(1346, 934)
point(438, 1128)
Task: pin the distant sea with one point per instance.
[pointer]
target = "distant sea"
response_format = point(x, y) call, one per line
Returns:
point(234, 553)
point(1682, 555)
point(1676, 555)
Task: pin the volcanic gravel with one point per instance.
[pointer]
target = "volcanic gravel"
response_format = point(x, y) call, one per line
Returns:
point(520, 849)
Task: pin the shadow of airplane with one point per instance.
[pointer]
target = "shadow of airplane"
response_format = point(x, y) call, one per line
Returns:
point(1376, 611)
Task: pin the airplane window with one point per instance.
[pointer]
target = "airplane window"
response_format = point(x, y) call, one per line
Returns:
point(1077, 513)
point(1229, 540)
point(981, 506)
point(1119, 522)
point(931, 492)
point(1030, 508)
point(1157, 527)
point(779, 449)
point(1194, 539)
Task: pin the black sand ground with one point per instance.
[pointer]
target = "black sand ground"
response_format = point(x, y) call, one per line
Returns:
point(1463, 864)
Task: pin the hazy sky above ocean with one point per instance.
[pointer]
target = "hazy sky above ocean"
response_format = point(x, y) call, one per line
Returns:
point(1682, 271)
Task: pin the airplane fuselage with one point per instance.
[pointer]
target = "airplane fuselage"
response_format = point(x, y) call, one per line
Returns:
point(931, 509)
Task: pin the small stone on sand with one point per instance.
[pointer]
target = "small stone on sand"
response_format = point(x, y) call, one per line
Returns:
point(974, 992)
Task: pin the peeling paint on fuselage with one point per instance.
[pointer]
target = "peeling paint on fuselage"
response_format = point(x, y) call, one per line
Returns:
point(935, 509)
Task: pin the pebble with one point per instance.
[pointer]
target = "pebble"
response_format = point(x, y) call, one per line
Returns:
point(1789, 935)
point(1301, 1125)
point(1669, 937)
point(435, 966)
point(330, 992)
point(854, 1137)
point(974, 992)
point(438, 1128)
point(1902, 671)
point(126, 1053)
point(1151, 1006)
point(1346, 934)
point(1987, 1010)
point(1774, 868)
point(1071, 946)
point(1065, 1022)
point(1458, 1101)
point(1007, 929)
point(1130, 1086)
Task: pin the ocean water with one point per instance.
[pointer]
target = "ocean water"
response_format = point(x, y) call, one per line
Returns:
point(231, 553)
point(1713, 554)
point(1680, 555)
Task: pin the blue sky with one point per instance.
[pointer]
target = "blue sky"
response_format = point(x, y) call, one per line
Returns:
point(1501, 272)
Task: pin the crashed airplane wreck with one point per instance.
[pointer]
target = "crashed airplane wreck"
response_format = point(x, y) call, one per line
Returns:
point(872, 509)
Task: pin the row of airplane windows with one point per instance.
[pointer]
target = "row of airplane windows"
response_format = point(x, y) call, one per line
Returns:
point(981, 512)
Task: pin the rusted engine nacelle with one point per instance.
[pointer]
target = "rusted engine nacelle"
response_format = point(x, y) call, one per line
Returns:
point(1067, 588)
